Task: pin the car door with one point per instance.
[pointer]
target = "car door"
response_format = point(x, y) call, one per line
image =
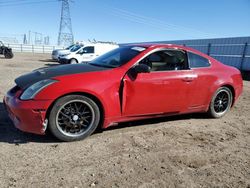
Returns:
point(163, 90)
point(87, 54)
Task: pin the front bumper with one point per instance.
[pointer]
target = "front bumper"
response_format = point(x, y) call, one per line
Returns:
point(28, 116)
point(63, 60)
point(55, 57)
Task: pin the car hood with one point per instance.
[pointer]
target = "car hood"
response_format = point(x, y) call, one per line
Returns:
point(27, 80)
point(63, 51)
point(58, 50)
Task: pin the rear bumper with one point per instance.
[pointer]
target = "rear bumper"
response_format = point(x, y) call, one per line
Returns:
point(28, 116)
point(238, 92)
point(238, 82)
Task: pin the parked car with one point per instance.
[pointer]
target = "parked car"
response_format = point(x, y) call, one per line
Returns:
point(57, 52)
point(86, 53)
point(129, 83)
point(6, 51)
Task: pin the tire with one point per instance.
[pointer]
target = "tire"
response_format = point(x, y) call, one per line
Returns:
point(73, 61)
point(8, 54)
point(74, 117)
point(221, 102)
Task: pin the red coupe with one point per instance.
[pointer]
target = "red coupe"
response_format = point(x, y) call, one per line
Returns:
point(129, 83)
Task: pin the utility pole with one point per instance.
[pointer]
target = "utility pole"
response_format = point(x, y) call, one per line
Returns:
point(65, 36)
point(38, 38)
point(29, 37)
point(46, 40)
point(24, 39)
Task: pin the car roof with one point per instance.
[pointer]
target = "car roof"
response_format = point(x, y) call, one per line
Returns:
point(160, 45)
point(156, 45)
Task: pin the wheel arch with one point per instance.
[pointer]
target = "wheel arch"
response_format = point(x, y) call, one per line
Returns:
point(232, 89)
point(86, 94)
point(74, 59)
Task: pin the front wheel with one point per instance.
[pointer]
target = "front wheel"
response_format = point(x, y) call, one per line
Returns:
point(74, 117)
point(73, 61)
point(221, 102)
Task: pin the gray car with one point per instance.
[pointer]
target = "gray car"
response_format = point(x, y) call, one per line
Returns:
point(57, 52)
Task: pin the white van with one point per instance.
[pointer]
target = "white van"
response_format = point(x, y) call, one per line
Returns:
point(87, 53)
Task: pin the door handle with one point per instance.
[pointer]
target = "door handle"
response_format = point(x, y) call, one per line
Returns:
point(189, 78)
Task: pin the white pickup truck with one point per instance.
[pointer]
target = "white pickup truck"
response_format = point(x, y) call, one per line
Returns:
point(86, 53)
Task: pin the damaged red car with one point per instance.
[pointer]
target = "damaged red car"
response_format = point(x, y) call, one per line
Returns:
point(129, 83)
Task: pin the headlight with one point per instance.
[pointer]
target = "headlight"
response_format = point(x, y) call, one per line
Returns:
point(62, 55)
point(31, 91)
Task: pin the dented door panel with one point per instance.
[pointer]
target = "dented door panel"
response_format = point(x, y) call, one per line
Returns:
point(155, 92)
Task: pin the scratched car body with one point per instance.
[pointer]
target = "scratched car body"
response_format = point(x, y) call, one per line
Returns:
point(129, 83)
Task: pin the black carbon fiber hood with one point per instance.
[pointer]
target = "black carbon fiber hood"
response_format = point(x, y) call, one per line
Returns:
point(26, 80)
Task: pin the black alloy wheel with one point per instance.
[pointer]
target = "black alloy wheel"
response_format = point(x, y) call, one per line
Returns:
point(221, 102)
point(74, 117)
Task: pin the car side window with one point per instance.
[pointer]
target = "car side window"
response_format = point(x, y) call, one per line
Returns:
point(88, 50)
point(197, 61)
point(166, 60)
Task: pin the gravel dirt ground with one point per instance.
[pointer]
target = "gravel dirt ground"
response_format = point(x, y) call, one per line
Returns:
point(180, 151)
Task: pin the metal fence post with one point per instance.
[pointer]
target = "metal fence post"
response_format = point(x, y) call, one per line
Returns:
point(21, 47)
point(32, 48)
point(43, 48)
point(243, 56)
point(208, 48)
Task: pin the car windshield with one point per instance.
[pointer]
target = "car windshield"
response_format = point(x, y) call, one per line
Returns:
point(117, 57)
point(75, 48)
point(69, 47)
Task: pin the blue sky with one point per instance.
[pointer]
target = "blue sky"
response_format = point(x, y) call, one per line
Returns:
point(129, 20)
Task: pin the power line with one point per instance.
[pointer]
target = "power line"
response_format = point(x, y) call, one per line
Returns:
point(12, 1)
point(156, 23)
point(26, 3)
point(19, 1)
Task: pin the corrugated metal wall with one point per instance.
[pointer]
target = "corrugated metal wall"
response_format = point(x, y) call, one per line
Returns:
point(231, 51)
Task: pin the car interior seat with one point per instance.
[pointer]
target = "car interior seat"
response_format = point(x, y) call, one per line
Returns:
point(147, 62)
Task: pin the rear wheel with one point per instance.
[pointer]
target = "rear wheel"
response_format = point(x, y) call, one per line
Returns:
point(221, 102)
point(73, 61)
point(74, 117)
point(8, 54)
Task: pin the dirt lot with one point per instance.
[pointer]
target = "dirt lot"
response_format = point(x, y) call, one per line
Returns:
point(183, 151)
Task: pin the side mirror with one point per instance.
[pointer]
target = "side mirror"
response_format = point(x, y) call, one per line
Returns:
point(141, 68)
point(82, 52)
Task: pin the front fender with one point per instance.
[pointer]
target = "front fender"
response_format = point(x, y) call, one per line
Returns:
point(105, 88)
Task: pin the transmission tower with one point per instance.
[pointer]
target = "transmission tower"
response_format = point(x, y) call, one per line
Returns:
point(65, 36)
